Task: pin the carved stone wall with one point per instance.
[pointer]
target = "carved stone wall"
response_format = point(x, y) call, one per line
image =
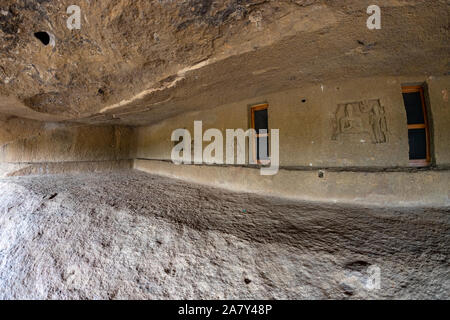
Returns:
point(361, 120)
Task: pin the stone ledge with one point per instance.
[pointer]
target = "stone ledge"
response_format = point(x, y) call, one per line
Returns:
point(330, 169)
point(394, 189)
point(25, 169)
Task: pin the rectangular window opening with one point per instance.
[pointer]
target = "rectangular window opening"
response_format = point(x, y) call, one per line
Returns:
point(418, 130)
point(260, 122)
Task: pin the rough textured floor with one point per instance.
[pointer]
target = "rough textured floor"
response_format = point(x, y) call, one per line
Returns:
point(133, 235)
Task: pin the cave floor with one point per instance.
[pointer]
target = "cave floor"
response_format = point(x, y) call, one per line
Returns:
point(131, 235)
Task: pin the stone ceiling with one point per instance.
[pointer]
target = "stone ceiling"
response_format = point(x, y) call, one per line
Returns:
point(137, 62)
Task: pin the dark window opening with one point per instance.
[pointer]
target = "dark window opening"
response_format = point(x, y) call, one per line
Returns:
point(414, 108)
point(44, 37)
point(417, 144)
point(260, 122)
point(418, 131)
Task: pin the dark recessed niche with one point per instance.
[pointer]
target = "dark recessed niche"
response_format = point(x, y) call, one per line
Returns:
point(303, 100)
point(43, 36)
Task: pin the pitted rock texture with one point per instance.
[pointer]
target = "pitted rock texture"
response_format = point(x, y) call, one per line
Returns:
point(137, 62)
point(133, 235)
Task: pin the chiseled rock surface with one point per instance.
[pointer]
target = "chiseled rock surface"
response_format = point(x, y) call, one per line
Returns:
point(139, 61)
point(133, 235)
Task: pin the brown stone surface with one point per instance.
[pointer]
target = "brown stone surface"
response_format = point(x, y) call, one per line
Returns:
point(107, 97)
point(142, 61)
point(62, 167)
point(308, 122)
point(28, 141)
point(134, 235)
point(385, 189)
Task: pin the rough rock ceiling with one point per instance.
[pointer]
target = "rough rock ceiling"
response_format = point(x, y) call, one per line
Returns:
point(139, 61)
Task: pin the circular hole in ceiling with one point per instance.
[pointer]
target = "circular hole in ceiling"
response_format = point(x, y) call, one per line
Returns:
point(43, 36)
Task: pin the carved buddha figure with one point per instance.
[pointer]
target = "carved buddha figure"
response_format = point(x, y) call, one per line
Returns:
point(378, 123)
point(350, 123)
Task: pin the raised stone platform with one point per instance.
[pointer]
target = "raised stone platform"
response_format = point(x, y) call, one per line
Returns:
point(131, 235)
point(395, 188)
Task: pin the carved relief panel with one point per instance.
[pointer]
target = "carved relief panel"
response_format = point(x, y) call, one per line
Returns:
point(363, 120)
